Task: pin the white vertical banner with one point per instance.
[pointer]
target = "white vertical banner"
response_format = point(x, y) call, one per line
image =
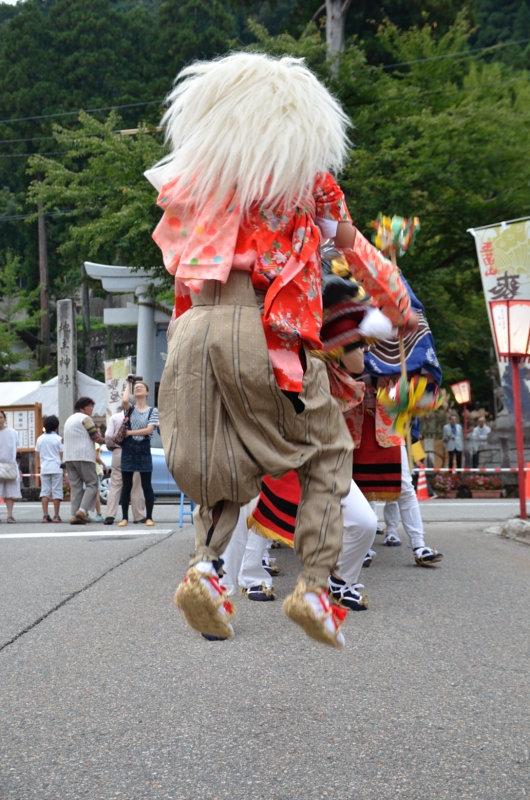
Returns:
point(116, 372)
point(503, 252)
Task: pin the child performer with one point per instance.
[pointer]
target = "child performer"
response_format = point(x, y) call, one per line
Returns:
point(243, 191)
point(49, 445)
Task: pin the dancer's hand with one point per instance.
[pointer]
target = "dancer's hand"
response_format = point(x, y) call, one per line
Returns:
point(410, 326)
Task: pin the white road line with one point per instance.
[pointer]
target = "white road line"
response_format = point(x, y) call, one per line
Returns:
point(112, 534)
point(449, 504)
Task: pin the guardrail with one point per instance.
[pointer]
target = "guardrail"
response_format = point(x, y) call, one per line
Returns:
point(469, 469)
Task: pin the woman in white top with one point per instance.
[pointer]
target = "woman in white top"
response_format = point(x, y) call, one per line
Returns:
point(136, 448)
point(9, 474)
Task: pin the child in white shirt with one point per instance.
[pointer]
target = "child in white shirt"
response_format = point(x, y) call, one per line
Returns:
point(50, 447)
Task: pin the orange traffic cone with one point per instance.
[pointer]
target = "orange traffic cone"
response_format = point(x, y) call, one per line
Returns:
point(527, 482)
point(422, 493)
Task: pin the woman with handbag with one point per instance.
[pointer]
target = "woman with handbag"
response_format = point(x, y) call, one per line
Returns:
point(140, 421)
point(9, 474)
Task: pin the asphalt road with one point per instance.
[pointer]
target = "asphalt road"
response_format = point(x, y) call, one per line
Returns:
point(105, 693)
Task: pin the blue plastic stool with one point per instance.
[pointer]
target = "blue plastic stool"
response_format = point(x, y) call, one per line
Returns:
point(185, 513)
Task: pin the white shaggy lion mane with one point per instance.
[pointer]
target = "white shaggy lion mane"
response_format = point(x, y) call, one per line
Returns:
point(264, 124)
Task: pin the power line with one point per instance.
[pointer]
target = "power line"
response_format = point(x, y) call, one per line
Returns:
point(28, 155)
point(16, 217)
point(124, 132)
point(477, 86)
point(86, 111)
point(421, 94)
point(32, 139)
point(457, 53)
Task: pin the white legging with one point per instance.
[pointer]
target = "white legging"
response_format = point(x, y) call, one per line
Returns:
point(360, 525)
point(244, 554)
point(406, 506)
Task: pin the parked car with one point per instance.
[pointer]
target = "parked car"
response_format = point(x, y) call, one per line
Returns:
point(161, 479)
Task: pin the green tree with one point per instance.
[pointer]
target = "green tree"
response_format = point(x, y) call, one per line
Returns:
point(430, 140)
point(441, 137)
point(16, 318)
point(194, 29)
point(100, 178)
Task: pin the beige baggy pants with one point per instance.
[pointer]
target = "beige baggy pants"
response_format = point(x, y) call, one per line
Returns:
point(116, 482)
point(225, 424)
point(83, 485)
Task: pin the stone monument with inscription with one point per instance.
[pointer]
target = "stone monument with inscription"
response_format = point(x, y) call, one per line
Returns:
point(66, 358)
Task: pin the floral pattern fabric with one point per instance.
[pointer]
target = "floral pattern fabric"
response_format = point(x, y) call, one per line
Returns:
point(280, 248)
point(385, 435)
point(381, 279)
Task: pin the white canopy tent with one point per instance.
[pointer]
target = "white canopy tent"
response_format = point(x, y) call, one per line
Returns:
point(12, 392)
point(29, 392)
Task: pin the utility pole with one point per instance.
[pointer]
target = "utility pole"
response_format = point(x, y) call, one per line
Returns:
point(44, 287)
point(85, 314)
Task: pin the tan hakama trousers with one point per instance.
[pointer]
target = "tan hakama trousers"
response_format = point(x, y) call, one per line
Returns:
point(225, 424)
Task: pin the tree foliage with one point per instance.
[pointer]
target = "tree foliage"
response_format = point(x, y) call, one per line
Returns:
point(111, 206)
point(16, 315)
point(438, 131)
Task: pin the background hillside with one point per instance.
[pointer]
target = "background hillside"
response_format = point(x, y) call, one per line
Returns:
point(438, 93)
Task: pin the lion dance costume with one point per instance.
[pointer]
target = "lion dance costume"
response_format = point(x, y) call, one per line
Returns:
point(246, 193)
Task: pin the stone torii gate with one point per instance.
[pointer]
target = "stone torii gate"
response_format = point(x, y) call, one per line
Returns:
point(145, 314)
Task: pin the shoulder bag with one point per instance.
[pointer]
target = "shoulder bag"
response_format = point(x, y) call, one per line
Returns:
point(121, 434)
point(8, 471)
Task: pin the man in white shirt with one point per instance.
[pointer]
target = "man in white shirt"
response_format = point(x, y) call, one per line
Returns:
point(80, 435)
point(454, 441)
point(479, 439)
point(116, 480)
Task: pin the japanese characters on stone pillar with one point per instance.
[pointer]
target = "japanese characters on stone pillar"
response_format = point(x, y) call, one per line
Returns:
point(66, 358)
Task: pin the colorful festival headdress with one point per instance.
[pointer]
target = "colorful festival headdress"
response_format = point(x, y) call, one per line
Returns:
point(414, 397)
point(394, 235)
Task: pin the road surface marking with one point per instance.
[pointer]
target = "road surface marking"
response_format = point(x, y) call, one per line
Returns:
point(50, 534)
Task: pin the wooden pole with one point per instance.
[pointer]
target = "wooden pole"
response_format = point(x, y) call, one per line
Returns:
point(403, 361)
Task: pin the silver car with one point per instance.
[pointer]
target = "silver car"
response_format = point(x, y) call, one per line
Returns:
point(161, 479)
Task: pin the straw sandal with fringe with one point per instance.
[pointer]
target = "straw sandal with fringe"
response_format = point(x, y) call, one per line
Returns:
point(314, 613)
point(204, 602)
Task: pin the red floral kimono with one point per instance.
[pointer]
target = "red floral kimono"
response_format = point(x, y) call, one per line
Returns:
point(280, 249)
